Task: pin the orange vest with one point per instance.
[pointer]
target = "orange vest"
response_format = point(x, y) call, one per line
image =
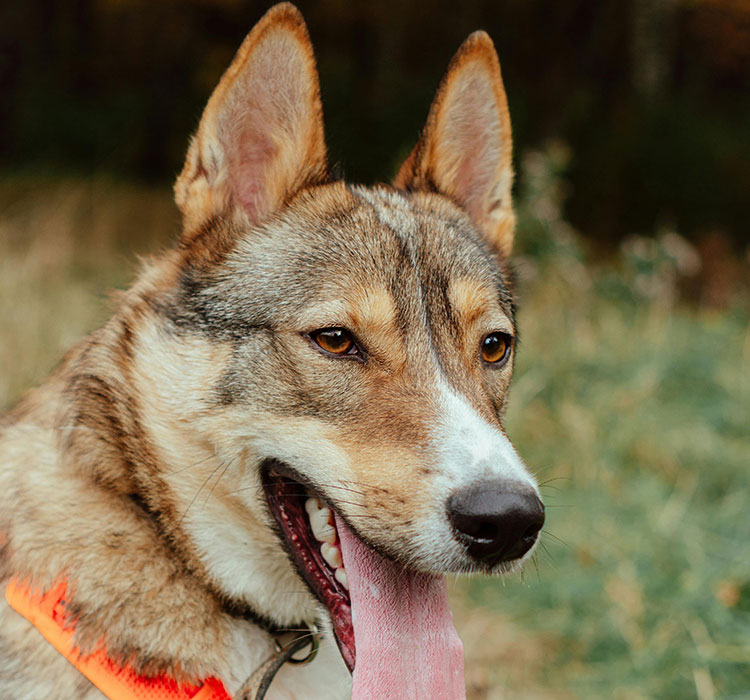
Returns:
point(47, 613)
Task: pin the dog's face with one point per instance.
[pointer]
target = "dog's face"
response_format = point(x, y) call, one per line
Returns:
point(372, 346)
point(363, 338)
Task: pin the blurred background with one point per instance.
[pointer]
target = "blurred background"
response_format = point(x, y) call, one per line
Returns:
point(631, 399)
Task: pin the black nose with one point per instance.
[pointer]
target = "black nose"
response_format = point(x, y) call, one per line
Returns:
point(497, 521)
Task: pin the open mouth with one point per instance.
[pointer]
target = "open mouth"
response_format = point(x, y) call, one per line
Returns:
point(406, 643)
point(309, 529)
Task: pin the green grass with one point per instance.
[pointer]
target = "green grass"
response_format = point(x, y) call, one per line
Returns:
point(632, 411)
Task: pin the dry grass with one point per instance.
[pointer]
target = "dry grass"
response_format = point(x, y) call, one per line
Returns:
point(63, 246)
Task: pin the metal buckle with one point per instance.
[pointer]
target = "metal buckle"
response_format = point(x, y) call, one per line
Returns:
point(310, 638)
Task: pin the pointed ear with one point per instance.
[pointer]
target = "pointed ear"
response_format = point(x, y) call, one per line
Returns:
point(261, 136)
point(465, 151)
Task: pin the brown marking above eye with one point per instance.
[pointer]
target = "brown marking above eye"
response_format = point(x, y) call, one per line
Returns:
point(372, 311)
point(495, 348)
point(469, 298)
point(336, 341)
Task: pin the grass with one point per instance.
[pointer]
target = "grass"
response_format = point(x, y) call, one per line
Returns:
point(632, 411)
point(636, 419)
point(64, 244)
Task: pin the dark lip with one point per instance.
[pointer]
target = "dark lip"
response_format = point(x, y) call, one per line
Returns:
point(285, 491)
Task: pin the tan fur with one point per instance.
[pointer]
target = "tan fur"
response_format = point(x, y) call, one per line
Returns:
point(473, 301)
point(135, 470)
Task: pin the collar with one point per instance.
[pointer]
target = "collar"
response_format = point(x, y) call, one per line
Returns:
point(47, 611)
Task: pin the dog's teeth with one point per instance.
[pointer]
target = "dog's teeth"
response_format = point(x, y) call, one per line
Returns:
point(340, 576)
point(332, 554)
point(320, 524)
point(312, 505)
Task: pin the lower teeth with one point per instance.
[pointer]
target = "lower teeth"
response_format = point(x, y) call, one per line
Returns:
point(332, 554)
point(340, 576)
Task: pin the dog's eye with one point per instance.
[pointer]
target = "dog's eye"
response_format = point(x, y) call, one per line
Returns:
point(495, 348)
point(336, 341)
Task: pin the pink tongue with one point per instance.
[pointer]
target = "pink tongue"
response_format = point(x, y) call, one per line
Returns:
point(406, 644)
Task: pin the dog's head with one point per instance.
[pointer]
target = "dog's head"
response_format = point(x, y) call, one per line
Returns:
point(350, 349)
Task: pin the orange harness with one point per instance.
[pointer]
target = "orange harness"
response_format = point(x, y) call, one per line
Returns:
point(48, 614)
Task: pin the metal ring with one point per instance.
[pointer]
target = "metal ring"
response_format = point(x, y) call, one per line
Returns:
point(314, 641)
point(299, 642)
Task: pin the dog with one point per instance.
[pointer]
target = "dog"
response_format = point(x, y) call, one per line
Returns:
point(292, 424)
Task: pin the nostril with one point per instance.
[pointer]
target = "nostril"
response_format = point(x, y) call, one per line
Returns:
point(472, 527)
point(532, 532)
point(487, 531)
point(496, 521)
point(537, 518)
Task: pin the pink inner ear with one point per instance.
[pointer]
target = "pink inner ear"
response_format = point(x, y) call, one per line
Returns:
point(478, 147)
point(474, 179)
point(251, 158)
point(264, 122)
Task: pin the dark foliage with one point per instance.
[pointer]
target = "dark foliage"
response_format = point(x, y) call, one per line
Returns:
point(652, 95)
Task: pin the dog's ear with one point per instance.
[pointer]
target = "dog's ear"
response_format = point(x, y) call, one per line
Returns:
point(261, 136)
point(465, 151)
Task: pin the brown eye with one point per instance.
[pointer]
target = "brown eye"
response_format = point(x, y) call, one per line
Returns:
point(495, 348)
point(337, 341)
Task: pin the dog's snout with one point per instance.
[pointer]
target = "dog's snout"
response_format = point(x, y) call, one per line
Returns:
point(496, 521)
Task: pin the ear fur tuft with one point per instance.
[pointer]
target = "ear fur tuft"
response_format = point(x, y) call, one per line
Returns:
point(465, 150)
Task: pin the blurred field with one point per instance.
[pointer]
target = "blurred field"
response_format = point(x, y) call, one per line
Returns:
point(64, 244)
point(632, 410)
